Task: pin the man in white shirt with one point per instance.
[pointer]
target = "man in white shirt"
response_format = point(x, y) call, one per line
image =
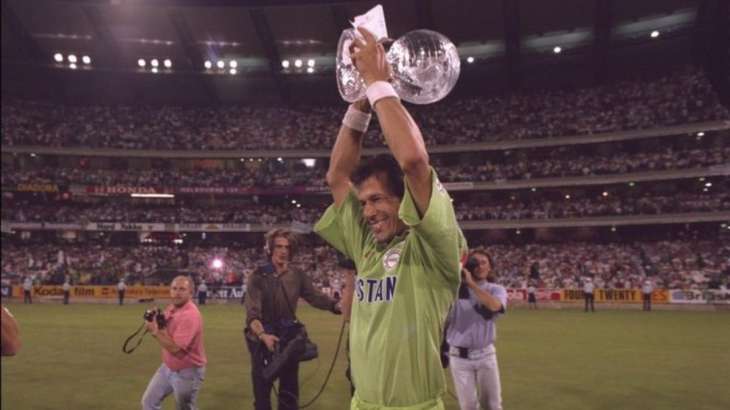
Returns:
point(588, 294)
point(28, 290)
point(471, 333)
point(121, 290)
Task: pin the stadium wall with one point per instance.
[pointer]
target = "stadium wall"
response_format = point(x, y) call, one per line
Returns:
point(546, 297)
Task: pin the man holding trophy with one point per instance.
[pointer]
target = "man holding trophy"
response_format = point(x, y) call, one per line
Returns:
point(395, 220)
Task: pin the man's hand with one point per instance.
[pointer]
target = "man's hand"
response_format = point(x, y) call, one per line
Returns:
point(269, 340)
point(468, 278)
point(369, 58)
point(152, 327)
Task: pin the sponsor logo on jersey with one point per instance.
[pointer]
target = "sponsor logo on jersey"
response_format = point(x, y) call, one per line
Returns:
point(391, 259)
point(376, 290)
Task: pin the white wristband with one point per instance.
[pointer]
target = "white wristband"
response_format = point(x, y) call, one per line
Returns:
point(379, 90)
point(356, 119)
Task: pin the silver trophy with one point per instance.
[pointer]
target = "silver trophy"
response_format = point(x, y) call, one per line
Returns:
point(425, 66)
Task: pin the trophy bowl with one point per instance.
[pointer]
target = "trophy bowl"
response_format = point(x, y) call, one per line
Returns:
point(425, 66)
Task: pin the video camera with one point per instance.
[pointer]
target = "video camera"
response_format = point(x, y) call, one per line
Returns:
point(294, 345)
point(471, 264)
point(156, 315)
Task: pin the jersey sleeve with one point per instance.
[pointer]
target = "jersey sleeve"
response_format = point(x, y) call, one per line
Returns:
point(343, 228)
point(436, 233)
point(500, 293)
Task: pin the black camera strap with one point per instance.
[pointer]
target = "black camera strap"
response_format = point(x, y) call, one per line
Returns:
point(286, 297)
point(125, 349)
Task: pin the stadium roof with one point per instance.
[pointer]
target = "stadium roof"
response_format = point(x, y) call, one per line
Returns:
point(512, 42)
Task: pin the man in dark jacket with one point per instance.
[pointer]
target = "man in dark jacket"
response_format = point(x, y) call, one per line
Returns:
point(271, 303)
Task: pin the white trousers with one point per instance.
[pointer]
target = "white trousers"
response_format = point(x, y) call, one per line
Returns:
point(476, 381)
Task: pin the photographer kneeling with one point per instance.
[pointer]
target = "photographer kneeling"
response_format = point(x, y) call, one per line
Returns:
point(271, 323)
point(179, 331)
point(471, 333)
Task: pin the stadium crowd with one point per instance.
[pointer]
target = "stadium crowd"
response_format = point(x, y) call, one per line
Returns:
point(672, 264)
point(558, 164)
point(681, 97)
point(473, 209)
point(273, 173)
point(102, 264)
point(119, 211)
point(675, 264)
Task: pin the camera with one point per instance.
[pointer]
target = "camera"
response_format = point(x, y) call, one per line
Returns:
point(294, 345)
point(471, 264)
point(156, 315)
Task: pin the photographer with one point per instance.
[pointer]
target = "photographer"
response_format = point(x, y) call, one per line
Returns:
point(471, 333)
point(179, 331)
point(271, 302)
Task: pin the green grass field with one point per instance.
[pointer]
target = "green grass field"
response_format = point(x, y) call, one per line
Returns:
point(549, 359)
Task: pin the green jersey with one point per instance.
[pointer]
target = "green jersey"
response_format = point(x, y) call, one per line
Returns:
point(402, 295)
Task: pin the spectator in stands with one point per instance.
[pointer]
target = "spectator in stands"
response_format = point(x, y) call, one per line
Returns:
point(682, 97)
point(672, 264)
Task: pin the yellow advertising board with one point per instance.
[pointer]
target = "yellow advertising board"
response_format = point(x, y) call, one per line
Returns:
point(100, 292)
point(614, 295)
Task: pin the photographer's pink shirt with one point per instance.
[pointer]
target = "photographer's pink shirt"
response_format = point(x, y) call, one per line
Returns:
point(185, 326)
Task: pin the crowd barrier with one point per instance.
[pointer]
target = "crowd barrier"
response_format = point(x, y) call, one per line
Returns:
point(660, 296)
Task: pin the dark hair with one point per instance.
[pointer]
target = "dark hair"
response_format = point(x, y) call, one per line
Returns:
point(345, 263)
point(385, 168)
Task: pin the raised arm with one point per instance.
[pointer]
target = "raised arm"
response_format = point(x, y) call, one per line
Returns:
point(346, 152)
point(406, 143)
point(401, 132)
point(10, 334)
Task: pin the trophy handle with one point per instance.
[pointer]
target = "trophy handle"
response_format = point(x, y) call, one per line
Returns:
point(349, 82)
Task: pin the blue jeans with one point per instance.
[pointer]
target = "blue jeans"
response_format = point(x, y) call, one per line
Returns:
point(184, 384)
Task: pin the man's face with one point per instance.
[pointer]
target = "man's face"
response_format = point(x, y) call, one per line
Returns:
point(379, 209)
point(484, 268)
point(281, 251)
point(180, 291)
